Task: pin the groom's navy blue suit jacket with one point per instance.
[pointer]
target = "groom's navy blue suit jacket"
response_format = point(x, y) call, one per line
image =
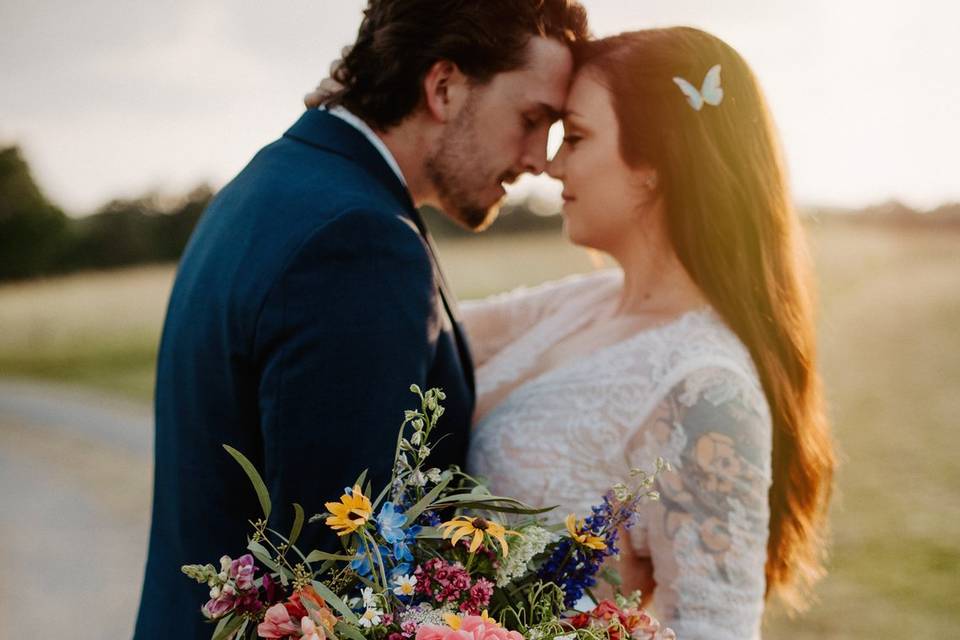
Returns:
point(306, 303)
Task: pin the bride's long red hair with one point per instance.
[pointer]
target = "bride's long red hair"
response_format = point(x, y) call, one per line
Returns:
point(731, 222)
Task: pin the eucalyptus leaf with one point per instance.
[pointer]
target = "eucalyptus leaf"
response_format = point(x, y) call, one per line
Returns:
point(228, 628)
point(260, 553)
point(297, 524)
point(334, 601)
point(349, 631)
point(316, 554)
point(258, 485)
point(361, 479)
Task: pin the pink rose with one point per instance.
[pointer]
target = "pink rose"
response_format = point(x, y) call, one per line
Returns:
point(481, 629)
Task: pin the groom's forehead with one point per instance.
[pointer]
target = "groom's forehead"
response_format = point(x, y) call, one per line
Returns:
point(543, 81)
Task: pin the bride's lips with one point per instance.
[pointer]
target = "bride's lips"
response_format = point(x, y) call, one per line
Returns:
point(567, 197)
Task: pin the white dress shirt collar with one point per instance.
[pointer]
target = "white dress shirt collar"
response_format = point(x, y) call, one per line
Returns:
point(344, 114)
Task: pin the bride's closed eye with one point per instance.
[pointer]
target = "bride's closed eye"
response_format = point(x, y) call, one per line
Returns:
point(572, 139)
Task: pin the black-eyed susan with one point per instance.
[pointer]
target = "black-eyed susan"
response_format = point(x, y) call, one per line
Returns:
point(463, 526)
point(351, 513)
point(576, 529)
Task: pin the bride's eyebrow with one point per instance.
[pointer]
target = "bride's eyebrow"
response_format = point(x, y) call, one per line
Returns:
point(570, 119)
point(546, 110)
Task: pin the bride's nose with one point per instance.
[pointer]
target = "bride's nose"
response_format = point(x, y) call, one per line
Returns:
point(555, 166)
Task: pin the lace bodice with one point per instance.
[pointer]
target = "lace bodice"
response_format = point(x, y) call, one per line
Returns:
point(686, 391)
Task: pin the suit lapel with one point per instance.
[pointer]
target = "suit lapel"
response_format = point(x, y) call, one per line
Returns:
point(320, 129)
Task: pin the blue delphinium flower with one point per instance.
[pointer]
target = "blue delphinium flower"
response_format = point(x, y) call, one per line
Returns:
point(574, 567)
point(401, 548)
point(361, 565)
point(430, 519)
point(390, 521)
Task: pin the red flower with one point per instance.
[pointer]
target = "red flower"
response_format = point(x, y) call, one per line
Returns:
point(580, 621)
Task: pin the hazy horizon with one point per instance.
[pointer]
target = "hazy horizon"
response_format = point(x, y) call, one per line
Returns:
point(111, 100)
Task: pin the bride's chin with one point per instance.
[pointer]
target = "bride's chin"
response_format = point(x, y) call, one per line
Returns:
point(572, 234)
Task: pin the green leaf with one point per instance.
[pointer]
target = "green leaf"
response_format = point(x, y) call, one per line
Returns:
point(501, 509)
point(360, 480)
point(334, 601)
point(260, 553)
point(228, 627)
point(430, 533)
point(297, 524)
point(611, 576)
point(490, 503)
point(316, 554)
point(262, 494)
point(414, 512)
point(349, 631)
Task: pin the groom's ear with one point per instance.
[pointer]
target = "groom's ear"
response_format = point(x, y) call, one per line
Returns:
point(445, 90)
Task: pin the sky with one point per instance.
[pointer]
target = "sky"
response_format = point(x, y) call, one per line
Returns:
point(110, 98)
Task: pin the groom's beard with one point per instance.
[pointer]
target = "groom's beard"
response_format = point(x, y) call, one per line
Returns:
point(460, 176)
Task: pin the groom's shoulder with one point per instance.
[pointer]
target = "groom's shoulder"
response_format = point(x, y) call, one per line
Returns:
point(311, 181)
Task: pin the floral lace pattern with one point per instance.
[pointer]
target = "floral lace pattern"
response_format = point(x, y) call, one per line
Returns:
point(686, 391)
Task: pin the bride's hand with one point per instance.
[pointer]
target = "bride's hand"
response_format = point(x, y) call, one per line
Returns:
point(328, 86)
point(636, 571)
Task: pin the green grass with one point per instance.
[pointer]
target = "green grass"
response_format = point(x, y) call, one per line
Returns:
point(890, 339)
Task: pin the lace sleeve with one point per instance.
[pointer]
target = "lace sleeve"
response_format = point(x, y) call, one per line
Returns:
point(494, 322)
point(707, 535)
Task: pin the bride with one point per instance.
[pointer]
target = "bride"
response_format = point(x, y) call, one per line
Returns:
point(698, 348)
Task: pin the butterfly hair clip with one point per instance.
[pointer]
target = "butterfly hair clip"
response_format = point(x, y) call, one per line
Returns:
point(709, 93)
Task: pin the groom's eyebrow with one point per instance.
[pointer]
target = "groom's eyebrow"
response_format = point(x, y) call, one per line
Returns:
point(550, 111)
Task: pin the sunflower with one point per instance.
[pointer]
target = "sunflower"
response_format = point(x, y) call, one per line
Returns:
point(479, 528)
point(586, 539)
point(351, 513)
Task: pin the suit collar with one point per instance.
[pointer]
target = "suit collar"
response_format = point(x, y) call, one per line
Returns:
point(320, 129)
point(324, 131)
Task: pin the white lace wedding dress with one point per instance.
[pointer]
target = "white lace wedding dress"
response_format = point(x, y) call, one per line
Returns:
point(686, 390)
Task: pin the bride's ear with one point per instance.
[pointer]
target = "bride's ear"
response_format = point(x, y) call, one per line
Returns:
point(445, 90)
point(649, 179)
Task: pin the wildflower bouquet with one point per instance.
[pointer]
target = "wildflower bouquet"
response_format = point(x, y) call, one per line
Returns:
point(434, 556)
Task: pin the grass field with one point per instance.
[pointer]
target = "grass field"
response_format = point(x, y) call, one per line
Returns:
point(890, 343)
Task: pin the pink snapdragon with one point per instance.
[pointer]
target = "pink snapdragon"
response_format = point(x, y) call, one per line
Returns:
point(241, 571)
point(278, 624)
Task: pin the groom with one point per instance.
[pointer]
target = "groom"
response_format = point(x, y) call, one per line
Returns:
point(309, 298)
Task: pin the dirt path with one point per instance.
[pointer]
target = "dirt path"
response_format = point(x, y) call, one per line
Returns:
point(75, 477)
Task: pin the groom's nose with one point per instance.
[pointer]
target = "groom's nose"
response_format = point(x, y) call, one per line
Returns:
point(534, 158)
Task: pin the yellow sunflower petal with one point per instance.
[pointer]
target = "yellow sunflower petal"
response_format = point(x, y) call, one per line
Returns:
point(477, 539)
point(461, 532)
point(503, 545)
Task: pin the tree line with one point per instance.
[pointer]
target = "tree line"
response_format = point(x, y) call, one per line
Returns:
point(38, 238)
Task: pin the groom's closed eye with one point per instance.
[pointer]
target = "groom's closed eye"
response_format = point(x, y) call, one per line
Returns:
point(543, 115)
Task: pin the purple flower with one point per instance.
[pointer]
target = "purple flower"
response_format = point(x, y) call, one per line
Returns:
point(242, 570)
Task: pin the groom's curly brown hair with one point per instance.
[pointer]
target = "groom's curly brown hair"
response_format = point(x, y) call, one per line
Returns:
point(399, 40)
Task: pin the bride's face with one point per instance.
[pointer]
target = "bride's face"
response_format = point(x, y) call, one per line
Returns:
point(604, 198)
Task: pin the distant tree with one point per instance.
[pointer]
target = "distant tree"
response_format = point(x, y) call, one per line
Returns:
point(173, 227)
point(126, 232)
point(32, 230)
